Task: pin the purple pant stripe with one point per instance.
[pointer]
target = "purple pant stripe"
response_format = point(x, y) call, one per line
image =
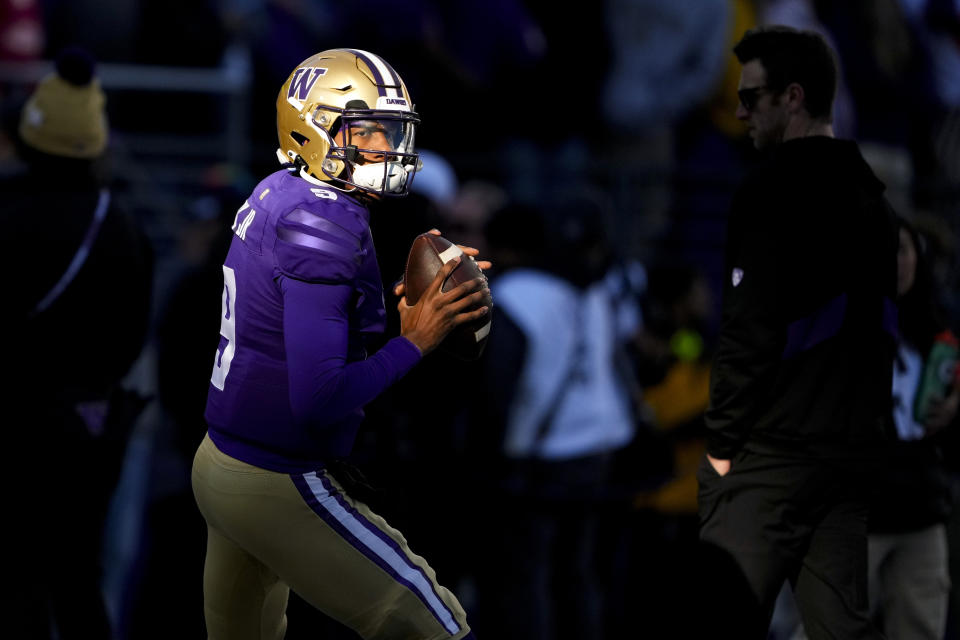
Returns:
point(384, 537)
point(331, 519)
point(342, 531)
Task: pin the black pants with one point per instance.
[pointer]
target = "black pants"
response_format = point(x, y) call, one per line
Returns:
point(771, 520)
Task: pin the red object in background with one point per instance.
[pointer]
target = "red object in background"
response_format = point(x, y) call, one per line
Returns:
point(22, 36)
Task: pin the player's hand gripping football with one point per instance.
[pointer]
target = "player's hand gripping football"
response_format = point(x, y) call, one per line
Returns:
point(436, 313)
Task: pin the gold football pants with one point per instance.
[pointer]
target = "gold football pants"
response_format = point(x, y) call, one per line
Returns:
point(270, 532)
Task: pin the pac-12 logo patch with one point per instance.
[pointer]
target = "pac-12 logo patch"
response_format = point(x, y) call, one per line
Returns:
point(303, 80)
point(736, 277)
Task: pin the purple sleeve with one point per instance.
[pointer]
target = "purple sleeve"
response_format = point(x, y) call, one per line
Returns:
point(324, 387)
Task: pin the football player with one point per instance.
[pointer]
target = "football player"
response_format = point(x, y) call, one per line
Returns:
point(302, 291)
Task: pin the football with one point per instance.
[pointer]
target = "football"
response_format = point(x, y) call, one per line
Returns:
point(427, 254)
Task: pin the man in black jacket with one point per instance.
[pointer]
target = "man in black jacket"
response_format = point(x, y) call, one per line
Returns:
point(801, 380)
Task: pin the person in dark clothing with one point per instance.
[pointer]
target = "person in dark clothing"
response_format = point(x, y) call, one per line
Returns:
point(800, 387)
point(76, 315)
point(909, 578)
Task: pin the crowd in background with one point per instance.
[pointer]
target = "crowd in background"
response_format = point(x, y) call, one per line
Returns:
point(591, 155)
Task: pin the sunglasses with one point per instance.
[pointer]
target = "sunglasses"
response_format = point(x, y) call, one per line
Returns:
point(750, 95)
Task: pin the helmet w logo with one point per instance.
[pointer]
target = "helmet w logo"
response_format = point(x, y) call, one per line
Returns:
point(303, 80)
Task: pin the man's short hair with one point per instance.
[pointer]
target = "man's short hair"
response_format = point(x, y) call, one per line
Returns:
point(790, 55)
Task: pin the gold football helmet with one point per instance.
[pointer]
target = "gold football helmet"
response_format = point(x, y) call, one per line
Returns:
point(345, 119)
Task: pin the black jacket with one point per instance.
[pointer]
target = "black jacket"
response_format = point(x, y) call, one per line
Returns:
point(89, 336)
point(804, 356)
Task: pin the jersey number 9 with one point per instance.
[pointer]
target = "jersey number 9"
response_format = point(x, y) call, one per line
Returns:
point(228, 329)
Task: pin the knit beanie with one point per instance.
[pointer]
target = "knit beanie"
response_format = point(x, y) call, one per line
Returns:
point(65, 116)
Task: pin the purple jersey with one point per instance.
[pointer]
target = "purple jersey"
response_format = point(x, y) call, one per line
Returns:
point(301, 290)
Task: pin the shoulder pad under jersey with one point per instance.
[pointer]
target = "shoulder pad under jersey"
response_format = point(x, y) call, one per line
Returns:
point(320, 239)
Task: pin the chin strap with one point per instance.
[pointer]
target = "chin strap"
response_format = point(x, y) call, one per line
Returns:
point(299, 169)
point(284, 160)
point(320, 183)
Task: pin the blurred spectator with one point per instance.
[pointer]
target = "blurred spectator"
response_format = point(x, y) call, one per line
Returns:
point(909, 581)
point(881, 64)
point(555, 408)
point(667, 59)
point(935, 24)
point(659, 44)
point(942, 235)
point(885, 71)
point(77, 313)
